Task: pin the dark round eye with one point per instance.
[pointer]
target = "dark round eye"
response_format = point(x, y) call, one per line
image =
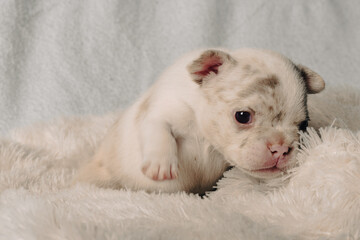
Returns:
point(303, 125)
point(243, 117)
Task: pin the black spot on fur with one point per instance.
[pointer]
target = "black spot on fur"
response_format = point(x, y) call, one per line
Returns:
point(302, 75)
point(303, 125)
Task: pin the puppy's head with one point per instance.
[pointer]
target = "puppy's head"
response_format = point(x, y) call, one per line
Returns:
point(253, 105)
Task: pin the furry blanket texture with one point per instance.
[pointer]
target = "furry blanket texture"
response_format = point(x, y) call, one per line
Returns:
point(319, 199)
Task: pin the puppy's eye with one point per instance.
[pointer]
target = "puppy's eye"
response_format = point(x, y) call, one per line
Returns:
point(303, 125)
point(243, 117)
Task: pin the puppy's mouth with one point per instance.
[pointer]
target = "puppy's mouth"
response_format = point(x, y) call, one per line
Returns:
point(269, 170)
point(275, 166)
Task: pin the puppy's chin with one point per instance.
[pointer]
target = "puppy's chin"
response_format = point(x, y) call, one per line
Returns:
point(267, 173)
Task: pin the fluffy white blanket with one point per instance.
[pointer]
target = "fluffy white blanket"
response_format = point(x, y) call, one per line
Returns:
point(321, 198)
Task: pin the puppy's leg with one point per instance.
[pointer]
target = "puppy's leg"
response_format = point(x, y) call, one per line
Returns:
point(95, 173)
point(159, 151)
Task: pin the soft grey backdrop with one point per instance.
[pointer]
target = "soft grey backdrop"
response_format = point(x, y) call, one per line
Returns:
point(60, 58)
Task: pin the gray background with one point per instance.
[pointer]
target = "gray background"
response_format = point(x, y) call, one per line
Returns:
point(72, 57)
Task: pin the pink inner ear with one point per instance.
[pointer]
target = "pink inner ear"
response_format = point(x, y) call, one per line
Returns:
point(210, 64)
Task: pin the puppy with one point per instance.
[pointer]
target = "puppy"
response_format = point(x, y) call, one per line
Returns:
point(209, 110)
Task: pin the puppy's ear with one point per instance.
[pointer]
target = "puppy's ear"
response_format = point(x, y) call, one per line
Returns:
point(210, 63)
point(314, 82)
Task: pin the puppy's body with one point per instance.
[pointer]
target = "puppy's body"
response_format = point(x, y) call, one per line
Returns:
point(182, 133)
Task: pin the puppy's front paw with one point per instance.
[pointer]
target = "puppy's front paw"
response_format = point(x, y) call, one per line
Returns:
point(160, 168)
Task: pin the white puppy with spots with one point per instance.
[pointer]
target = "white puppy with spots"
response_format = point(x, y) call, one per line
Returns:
point(210, 110)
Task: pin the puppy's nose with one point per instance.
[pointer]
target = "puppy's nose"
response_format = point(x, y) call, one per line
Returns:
point(279, 150)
